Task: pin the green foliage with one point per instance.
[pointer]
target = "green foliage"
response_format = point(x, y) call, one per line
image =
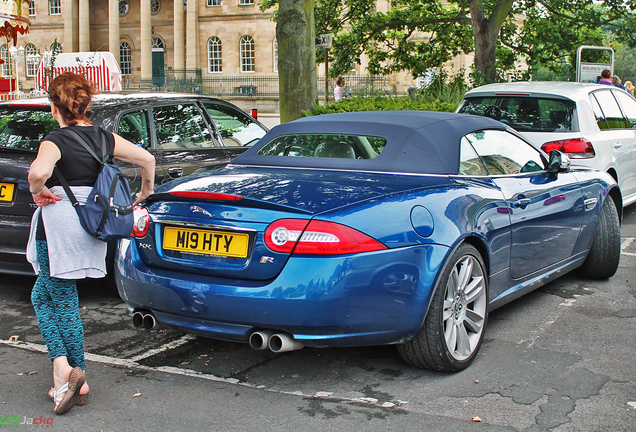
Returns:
point(444, 93)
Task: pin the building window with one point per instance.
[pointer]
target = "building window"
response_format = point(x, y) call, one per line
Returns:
point(275, 49)
point(125, 58)
point(32, 8)
point(214, 55)
point(248, 63)
point(124, 7)
point(4, 55)
point(154, 7)
point(157, 43)
point(214, 3)
point(246, 2)
point(55, 7)
point(32, 62)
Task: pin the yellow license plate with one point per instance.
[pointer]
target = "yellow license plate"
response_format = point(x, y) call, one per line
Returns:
point(207, 242)
point(6, 191)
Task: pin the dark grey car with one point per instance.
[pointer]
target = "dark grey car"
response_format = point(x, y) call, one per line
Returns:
point(184, 132)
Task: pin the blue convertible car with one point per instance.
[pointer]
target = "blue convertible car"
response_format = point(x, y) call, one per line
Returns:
point(368, 228)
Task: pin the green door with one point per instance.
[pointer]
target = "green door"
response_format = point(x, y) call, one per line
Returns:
point(158, 71)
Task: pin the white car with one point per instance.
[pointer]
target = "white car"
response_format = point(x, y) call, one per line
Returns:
point(594, 124)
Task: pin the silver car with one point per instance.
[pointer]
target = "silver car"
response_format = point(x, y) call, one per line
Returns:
point(594, 124)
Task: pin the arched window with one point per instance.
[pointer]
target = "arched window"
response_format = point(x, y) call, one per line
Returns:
point(6, 66)
point(214, 55)
point(157, 43)
point(125, 58)
point(155, 5)
point(32, 62)
point(275, 54)
point(248, 59)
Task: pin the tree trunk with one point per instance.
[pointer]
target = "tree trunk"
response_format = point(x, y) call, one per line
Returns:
point(486, 32)
point(297, 79)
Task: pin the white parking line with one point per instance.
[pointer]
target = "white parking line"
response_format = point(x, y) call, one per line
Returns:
point(129, 363)
point(627, 242)
point(174, 344)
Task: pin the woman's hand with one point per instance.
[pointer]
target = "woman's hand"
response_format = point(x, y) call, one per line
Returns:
point(45, 197)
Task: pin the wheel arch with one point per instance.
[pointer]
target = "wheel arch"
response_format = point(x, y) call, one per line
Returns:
point(617, 196)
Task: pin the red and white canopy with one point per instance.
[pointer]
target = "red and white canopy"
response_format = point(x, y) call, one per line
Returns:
point(99, 67)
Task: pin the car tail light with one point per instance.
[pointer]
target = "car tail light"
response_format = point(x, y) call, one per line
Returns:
point(317, 238)
point(575, 148)
point(141, 221)
point(206, 195)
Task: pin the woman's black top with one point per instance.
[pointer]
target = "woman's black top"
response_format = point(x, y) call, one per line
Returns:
point(76, 165)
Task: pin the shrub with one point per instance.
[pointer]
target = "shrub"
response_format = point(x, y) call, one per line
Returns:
point(443, 94)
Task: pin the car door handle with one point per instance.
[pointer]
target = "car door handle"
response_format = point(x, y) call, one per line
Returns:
point(617, 145)
point(175, 172)
point(521, 202)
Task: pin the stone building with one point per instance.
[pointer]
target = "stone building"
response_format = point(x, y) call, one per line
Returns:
point(150, 38)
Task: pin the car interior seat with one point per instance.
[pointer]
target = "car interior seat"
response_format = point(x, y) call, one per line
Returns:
point(339, 150)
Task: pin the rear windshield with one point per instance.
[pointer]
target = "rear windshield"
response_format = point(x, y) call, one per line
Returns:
point(24, 129)
point(524, 113)
point(337, 146)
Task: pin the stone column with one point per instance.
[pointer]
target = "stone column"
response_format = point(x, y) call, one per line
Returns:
point(146, 40)
point(192, 35)
point(84, 26)
point(69, 10)
point(113, 28)
point(179, 35)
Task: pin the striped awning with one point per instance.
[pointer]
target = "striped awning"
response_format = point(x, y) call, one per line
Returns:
point(14, 18)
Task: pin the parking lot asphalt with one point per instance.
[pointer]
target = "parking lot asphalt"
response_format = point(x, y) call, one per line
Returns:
point(559, 359)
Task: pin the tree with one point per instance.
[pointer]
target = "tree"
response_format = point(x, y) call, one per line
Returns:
point(416, 35)
point(295, 34)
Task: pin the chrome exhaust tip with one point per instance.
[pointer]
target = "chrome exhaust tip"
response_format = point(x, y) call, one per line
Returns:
point(259, 340)
point(281, 342)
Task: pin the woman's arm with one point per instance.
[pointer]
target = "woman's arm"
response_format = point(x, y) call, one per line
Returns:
point(129, 152)
point(40, 171)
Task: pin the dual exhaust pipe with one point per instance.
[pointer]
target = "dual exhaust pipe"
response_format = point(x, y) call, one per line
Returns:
point(145, 320)
point(259, 340)
point(276, 342)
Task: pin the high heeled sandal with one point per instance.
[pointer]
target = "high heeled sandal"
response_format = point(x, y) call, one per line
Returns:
point(66, 397)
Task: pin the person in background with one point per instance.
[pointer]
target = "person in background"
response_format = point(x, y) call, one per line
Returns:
point(606, 77)
point(338, 91)
point(617, 82)
point(410, 91)
point(59, 249)
point(629, 87)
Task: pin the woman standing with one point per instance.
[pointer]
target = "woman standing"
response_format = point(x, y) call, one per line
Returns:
point(59, 249)
point(338, 91)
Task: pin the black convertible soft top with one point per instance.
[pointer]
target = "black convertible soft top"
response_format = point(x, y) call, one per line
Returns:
point(417, 141)
point(420, 142)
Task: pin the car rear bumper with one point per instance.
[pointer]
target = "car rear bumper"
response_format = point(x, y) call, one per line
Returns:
point(367, 299)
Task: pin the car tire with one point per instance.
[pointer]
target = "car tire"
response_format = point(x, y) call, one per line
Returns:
point(459, 308)
point(605, 253)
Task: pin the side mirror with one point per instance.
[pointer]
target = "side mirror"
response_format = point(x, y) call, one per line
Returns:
point(559, 162)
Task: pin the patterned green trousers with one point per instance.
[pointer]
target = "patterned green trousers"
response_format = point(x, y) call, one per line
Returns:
point(56, 305)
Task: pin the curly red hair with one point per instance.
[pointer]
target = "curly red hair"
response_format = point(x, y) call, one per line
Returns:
point(72, 95)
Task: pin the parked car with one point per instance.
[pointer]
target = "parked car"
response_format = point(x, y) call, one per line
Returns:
point(367, 228)
point(183, 132)
point(594, 124)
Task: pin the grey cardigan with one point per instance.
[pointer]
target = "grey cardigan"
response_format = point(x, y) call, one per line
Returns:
point(73, 253)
